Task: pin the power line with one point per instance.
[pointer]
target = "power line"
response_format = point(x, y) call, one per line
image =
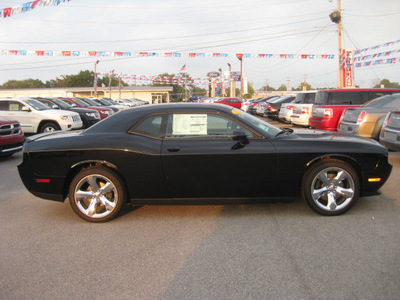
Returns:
point(163, 38)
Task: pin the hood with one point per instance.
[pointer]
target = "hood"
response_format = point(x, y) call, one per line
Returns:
point(55, 113)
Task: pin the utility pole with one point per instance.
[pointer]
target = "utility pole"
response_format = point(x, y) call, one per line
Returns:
point(109, 82)
point(241, 78)
point(119, 86)
point(231, 89)
point(287, 84)
point(336, 17)
point(95, 78)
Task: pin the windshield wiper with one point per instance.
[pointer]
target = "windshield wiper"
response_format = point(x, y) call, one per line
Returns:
point(284, 131)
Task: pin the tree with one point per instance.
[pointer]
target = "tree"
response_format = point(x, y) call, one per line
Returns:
point(250, 91)
point(387, 84)
point(23, 84)
point(282, 88)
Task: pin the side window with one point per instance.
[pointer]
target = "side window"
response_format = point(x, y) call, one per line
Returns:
point(202, 126)
point(345, 98)
point(4, 105)
point(14, 106)
point(373, 95)
point(151, 126)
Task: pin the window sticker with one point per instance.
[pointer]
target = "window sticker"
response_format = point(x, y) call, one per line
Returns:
point(189, 124)
point(14, 106)
point(236, 111)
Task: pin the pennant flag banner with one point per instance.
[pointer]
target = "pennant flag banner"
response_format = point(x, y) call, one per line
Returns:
point(361, 51)
point(162, 54)
point(163, 80)
point(22, 8)
point(387, 61)
point(377, 55)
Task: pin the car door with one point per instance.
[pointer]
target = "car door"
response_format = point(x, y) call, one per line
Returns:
point(201, 160)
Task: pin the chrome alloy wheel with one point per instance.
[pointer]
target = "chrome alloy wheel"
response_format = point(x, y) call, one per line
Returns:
point(96, 196)
point(333, 189)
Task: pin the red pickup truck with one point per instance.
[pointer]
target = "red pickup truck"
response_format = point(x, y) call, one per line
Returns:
point(11, 137)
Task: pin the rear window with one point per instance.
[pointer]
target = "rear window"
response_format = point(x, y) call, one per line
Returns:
point(305, 98)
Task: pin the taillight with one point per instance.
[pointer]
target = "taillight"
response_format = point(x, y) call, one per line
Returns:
point(253, 104)
point(361, 117)
point(305, 110)
point(386, 122)
point(289, 107)
point(270, 108)
point(328, 113)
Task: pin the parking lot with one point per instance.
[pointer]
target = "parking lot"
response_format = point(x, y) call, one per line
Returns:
point(258, 251)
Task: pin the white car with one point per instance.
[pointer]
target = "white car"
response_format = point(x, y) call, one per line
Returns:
point(303, 108)
point(35, 117)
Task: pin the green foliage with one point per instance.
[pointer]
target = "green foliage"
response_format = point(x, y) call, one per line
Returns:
point(387, 84)
point(300, 87)
point(23, 84)
point(282, 88)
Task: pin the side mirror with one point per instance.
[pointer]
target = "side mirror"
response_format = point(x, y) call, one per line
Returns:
point(241, 137)
point(25, 108)
point(55, 107)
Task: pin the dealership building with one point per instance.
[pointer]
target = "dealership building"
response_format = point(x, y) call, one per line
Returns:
point(149, 94)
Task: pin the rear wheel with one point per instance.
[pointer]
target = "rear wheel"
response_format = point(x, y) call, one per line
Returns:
point(96, 194)
point(331, 187)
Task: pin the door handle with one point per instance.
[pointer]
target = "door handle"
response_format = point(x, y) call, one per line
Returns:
point(173, 149)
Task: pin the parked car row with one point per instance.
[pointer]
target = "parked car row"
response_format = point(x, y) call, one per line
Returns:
point(365, 112)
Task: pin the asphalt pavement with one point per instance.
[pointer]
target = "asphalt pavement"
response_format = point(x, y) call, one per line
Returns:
point(258, 251)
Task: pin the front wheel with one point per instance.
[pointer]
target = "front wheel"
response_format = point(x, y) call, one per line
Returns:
point(49, 127)
point(96, 194)
point(330, 187)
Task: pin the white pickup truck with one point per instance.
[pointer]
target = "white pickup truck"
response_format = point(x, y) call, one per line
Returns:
point(35, 117)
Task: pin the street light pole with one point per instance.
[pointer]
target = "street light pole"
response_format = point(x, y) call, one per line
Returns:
point(109, 82)
point(231, 92)
point(95, 78)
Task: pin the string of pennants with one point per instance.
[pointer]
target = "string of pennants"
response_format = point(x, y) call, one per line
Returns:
point(388, 44)
point(174, 80)
point(27, 6)
point(160, 54)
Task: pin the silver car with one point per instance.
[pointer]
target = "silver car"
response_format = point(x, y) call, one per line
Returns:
point(390, 133)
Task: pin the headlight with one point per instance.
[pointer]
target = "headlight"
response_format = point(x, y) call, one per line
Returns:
point(65, 118)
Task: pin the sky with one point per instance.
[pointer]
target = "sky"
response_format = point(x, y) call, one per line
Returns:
point(207, 26)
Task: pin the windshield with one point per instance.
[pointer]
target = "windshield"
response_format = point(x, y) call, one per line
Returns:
point(263, 127)
point(92, 102)
point(62, 104)
point(105, 102)
point(36, 104)
point(82, 103)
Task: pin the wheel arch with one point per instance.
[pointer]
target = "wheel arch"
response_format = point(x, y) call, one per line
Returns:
point(82, 165)
point(42, 122)
point(340, 157)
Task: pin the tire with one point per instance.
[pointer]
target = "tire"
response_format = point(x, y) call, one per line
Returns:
point(49, 127)
point(97, 194)
point(330, 187)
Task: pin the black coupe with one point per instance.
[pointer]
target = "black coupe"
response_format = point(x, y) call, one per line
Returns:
point(187, 152)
